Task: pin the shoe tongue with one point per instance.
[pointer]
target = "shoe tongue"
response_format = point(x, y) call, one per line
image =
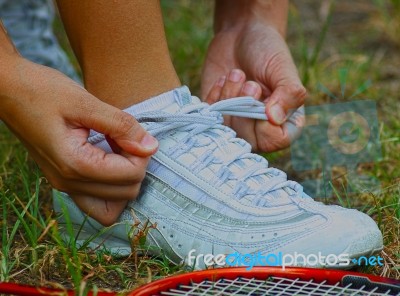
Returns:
point(171, 102)
point(181, 98)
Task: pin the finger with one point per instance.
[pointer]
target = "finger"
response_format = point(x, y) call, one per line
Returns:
point(215, 92)
point(136, 160)
point(113, 168)
point(113, 145)
point(272, 138)
point(90, 163)
point(103, 191)
point(245, 129)
point(282, 100)
point(252, 89)
point(103, 211)
point(121, 127)
point(233, 84)
point(295, 124)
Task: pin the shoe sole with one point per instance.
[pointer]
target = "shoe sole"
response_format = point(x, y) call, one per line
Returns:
point(107, 242)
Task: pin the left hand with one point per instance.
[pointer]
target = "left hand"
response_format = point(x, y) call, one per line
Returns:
point(261, 53)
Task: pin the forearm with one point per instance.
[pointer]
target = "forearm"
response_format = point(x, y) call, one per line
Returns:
point(239, 13)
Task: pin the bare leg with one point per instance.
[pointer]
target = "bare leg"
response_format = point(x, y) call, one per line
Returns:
point(123, 53)
point(121, 47)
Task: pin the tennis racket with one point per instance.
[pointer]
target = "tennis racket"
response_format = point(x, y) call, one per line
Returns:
point(238, 281)
point(271, 281)
point(23, 290)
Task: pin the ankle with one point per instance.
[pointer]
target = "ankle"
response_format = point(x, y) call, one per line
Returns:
point(132, 87)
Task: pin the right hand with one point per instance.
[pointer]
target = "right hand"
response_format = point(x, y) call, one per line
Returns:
point(255, 50)
point(52, 115)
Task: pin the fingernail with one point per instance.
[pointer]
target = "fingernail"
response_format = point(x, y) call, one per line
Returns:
point(221, 81)
point(149, 142)
point(249, 89)
point(277, 114)
point(235, 76)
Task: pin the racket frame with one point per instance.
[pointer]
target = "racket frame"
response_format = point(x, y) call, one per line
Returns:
point(328, 276)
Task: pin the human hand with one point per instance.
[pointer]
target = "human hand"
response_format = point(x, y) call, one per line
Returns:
point(260, 51)
point(52, 115)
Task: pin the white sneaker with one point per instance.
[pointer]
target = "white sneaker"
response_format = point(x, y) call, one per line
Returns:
point(205, 190)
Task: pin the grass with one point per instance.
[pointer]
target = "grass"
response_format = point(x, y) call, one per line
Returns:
point(323, 42)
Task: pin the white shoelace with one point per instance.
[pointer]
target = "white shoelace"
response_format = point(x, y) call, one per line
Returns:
point(204, 125)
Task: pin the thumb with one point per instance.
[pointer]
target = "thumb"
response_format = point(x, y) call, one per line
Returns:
point(295, 124)
point(122, 128)
point(282, 100)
